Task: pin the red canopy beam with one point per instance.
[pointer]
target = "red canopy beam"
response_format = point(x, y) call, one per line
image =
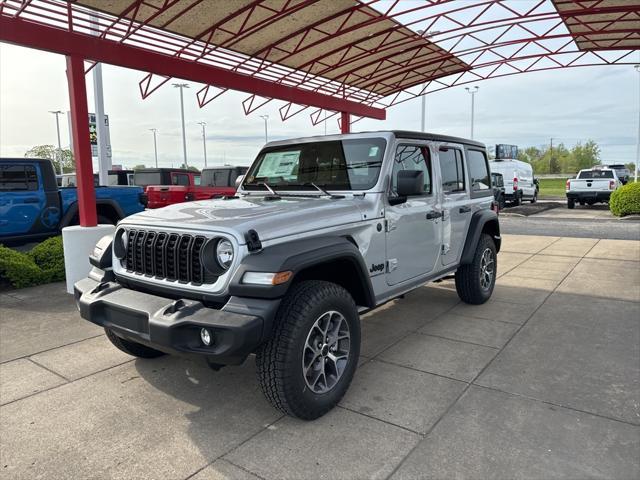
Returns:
point(29, 34)
point(81, 145)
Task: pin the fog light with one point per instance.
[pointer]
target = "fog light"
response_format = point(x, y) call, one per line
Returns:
point(205, 336)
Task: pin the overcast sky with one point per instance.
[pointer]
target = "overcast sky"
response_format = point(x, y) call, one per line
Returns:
point(570, 106)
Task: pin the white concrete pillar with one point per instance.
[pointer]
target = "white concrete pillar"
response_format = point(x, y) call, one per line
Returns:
point(78, 243)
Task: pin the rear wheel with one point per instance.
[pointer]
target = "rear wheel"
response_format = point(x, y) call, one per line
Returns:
point(307, 365)
point(103, 220)
point(571, 203)
point(582, 202)
point(475, 281)
point(132, 348)
point(517, 199)
point(534, 199)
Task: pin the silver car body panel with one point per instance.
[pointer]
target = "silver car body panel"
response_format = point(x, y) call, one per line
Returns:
point(384, 234)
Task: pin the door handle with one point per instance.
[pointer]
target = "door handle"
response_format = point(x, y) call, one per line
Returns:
point(433, 215)
point(31, 200)
point(465, 209)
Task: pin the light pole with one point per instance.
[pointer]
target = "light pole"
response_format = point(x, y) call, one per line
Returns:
point(266, 135)
point(635, 175)
point(423, 117)
point(182, 86)
point(204, 142)
point(472, 91)
point(423, 123)
point(56, 113)
point(155, 145)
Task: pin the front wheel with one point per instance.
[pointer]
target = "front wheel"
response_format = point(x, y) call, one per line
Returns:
point(307, 365)
point(475, 281)
point(535, 198)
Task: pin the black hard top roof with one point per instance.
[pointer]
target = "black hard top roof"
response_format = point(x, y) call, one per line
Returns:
point(434, 137)
point(163, 169)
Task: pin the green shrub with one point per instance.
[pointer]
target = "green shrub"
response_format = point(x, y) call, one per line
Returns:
point(49, 256)
point(43, 264)
point(625, 200)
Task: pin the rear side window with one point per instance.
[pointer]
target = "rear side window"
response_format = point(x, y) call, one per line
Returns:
point(412, 157)
point(180, 179)
point(596, 174)
point(452, 170)
point(18, 177)
point(478, 170)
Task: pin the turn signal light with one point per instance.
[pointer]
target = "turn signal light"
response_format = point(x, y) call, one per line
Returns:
point(568, 186)
point(515, 183)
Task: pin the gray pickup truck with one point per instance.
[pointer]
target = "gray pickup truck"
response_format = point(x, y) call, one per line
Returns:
point(320, 230)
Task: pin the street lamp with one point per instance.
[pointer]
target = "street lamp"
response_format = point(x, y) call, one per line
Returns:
point(204, 142)
point(635, 176)
point(56, 113)
point(472, 91)
point(182, 86)
point(266, 135)
point(155, 144)
point(423, 117)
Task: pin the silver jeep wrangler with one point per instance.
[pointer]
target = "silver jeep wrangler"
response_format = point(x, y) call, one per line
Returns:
point(320, 230)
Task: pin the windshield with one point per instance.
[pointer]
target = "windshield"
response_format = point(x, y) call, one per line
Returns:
point(144, 179)
point(596, 174)
point(352, 164)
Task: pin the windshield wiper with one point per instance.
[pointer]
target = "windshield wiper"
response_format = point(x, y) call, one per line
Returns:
point(271, 190)
point(323, 190)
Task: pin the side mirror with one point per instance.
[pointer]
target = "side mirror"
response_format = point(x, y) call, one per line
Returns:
point(410, 183)
point(239, 179)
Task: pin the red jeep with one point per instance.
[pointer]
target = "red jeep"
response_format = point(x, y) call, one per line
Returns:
point(213, 182)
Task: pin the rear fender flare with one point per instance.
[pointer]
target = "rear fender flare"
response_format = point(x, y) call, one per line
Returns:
point(480, 220)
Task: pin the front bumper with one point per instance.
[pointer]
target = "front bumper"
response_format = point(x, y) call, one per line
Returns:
point(173, 326)
point(586, 196)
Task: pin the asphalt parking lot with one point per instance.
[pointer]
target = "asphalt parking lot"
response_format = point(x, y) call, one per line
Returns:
point(543, 381)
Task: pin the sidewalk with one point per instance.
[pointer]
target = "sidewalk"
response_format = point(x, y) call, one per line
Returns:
point(543, 381)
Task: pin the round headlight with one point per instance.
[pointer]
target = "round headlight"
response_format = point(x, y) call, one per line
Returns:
point(224, 253)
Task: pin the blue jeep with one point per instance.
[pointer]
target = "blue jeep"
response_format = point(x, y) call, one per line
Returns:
point(32, 206)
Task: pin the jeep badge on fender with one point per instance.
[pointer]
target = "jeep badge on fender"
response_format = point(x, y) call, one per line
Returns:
point(284, 269)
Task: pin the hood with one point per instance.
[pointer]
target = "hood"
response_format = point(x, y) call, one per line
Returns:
point(270, 218)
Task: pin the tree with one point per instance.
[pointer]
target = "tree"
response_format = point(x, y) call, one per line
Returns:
point(191, 168)
point(139, 167)
point(51, 152)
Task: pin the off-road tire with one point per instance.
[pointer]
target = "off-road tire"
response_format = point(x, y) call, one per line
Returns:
point(132, 348)
point(517, 199)
point(104, 220)
point(468, 283)
point(571, 203)
point(279, 360)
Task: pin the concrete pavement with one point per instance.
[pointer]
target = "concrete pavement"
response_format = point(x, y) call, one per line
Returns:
point(543, 381)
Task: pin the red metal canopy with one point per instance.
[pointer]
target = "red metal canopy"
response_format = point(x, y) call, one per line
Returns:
point(344, 57)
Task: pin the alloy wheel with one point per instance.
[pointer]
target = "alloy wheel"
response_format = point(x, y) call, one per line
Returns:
point(487, 270)
point(326, 352)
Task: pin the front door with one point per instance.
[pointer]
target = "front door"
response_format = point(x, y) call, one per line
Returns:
point(413, 240)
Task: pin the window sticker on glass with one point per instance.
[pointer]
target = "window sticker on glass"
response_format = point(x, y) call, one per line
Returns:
point(373, 151)
point(278, 164)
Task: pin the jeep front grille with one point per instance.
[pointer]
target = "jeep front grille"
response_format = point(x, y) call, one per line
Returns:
point(169, 256)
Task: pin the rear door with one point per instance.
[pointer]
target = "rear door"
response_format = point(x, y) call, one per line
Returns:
point(455, 201)
point(413, 240)
point(23, 201)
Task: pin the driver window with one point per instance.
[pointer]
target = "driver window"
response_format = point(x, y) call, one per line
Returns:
point(412, 157)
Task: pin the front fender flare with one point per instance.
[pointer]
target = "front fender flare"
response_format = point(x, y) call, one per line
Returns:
point(296, 256)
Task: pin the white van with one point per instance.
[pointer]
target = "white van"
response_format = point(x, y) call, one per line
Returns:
point(519, 184)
